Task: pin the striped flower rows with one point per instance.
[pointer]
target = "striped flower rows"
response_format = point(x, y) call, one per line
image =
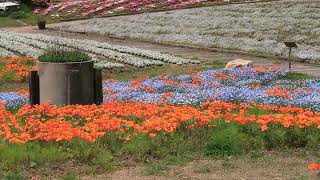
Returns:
point(35, 45)
point(257, 28)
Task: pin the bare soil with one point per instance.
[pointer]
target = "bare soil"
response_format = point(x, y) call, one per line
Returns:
point(272, 166)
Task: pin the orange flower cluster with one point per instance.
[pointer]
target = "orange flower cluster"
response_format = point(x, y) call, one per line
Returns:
point(314, 166)
point(223, 76)
point(128, 119)
point(196, 81)
point(276, 91)
point(263, 69)
point(20, 66)
point(137, 82)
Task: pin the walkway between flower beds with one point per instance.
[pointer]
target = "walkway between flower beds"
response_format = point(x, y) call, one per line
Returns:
point(201, 54)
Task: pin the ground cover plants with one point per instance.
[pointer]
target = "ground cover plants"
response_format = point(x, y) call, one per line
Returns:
point(89, 8)
point(268, 86)
point(153, 119)
point(165, 116)
point(257, 28)
point(106, 55)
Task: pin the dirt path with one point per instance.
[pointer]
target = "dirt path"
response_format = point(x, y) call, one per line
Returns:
point(270, 166)
point(203, 55)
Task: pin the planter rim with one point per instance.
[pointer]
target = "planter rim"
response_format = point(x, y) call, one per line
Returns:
point(62, 63)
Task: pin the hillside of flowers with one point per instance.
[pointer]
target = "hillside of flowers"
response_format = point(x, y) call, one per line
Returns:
point(105, 55)
point(129, 119)
point(257, 28)
point(258, 85)
point(213, 113)
point(87, 8)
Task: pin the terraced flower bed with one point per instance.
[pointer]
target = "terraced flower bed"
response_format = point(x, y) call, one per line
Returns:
point(151, 119)
point(257, 28)
point(253, 86)
point(87, 8)
point(106, 56)
point(129, 119)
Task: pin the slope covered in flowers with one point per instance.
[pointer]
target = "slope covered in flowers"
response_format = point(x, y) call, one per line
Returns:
point(247, 85)
point(256, 28)
point(129, 119)
point(15, 69)
point(111, 7)
point(258, 85)
point(105, 55)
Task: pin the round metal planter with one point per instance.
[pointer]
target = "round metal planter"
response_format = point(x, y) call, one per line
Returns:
point(66, 83)
point(42, 25)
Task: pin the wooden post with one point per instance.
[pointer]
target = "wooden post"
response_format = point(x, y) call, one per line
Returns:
point(98, 94)
point(290, 63)
point(34, 95)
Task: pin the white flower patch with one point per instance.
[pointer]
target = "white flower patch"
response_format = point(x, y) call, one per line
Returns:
point(103, 64)
point(5, 53)
point(133, 56)
point(86, 46)
point(258, 28)
point(108, 65)
point(39, 44)
point(19, 47)
point(36, 44)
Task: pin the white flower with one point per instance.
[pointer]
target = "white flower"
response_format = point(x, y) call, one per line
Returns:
point(258, 27)
point(35, 44)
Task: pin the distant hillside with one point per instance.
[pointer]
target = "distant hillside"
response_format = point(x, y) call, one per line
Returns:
point(89, 8)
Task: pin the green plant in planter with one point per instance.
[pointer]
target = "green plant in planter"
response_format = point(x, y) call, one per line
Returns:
point(64, 57)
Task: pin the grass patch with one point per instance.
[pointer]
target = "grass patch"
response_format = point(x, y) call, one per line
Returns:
point(70, 176)
point(130, 73)
point(206, 168)
point(295, 76)
point(21, 18)
point(155, 169)
point(61, 56)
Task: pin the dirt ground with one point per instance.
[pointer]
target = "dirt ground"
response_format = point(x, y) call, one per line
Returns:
point(201, 54)
point(271, 166)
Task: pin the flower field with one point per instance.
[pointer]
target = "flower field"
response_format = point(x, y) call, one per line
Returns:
point(213, 112)
point(163, 104)
point(107, 56)
point(52, 123)
point(87, 8)
point(165, 116)
point(253, 86)
point(257, 28)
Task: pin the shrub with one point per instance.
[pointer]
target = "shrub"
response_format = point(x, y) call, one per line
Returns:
point(230, 140)
point(64, 57)
point(17, 15)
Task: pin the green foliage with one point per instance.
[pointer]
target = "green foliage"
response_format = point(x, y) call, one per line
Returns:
point(226, 142)
point(70, 176)
point(295, 76)
point(12, 176)
point(61, 56)
point(89, 153)
point(17, 15)
point(30, 154)
point(8, 77)
point(165, 150)
point(155, 169)
point(140, 148)
point(206, 168)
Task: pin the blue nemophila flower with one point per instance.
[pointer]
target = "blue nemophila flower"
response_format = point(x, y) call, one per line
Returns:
point(13, 100)
point(305, 93)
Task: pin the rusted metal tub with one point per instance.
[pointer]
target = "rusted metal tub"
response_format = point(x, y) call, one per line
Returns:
point(66, 83)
